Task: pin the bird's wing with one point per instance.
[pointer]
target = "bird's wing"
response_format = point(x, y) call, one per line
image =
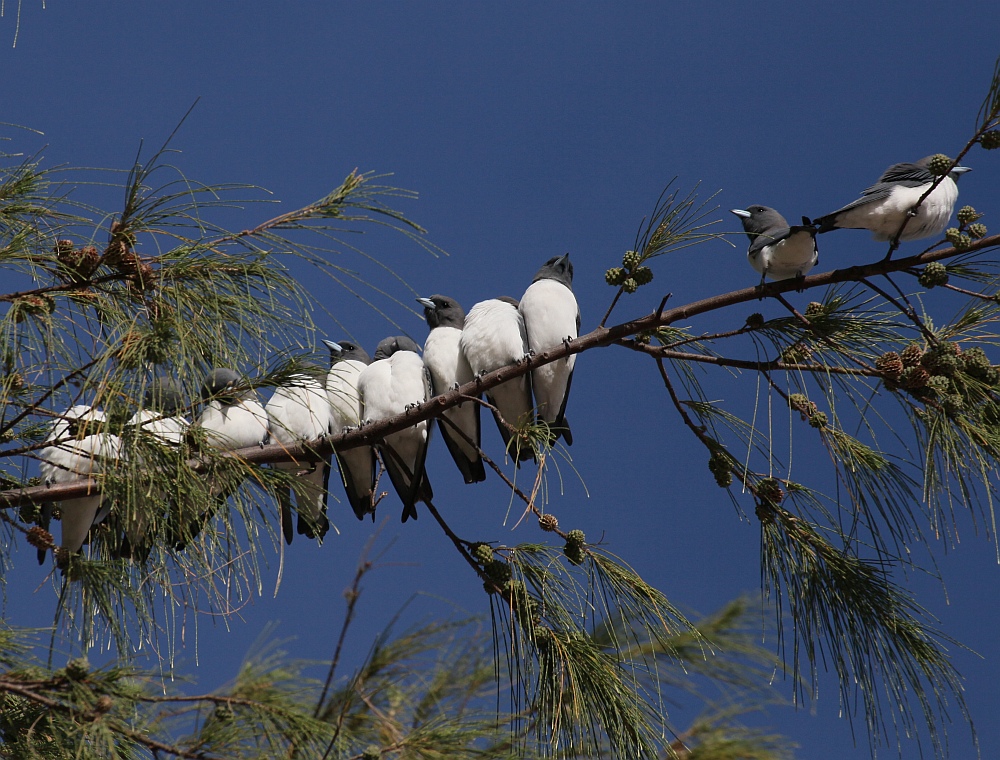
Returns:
point(910, 175)
point(772, 236)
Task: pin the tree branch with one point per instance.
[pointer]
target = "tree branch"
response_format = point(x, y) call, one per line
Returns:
point(374, 432)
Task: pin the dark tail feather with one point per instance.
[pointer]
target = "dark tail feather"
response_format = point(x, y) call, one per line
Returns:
point(285, 502)
point(565, 432)
point(44, 520)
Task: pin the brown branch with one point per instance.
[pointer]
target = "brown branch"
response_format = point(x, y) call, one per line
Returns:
point(352, 595)
point(374, 432)
point(757, 366)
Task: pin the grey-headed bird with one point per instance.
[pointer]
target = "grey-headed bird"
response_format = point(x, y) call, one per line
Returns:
point(78, 448)
point(299, 411)
point(494, 337)
point(357, 465)
point(551, 317)
point(778, 250)
point(233, 418)
point(395, 381)
point(883, 206)
point(450, 369)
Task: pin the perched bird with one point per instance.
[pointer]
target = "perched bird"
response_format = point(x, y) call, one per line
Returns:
point(450, 369)
point(232, 419)
point(552, 316)
point(357, 465)
point(494, 337)
point(161, 418)
point(883, 206)
point(78, 447)
point(393, 383)
point(300, 411)
point(777, 250)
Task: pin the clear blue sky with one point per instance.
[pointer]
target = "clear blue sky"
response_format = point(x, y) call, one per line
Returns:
point(530, 130)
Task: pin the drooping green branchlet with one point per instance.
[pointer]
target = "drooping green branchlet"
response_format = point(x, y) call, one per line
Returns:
point(933, 274)
point(939, 164)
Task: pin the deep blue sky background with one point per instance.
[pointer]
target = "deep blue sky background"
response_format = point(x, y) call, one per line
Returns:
point(530, 130)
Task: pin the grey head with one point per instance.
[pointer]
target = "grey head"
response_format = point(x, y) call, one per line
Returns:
point(442, 311)
point(759, 219)
point(508, 300)
point(164, 395)
point(558, 268)
point(955, 173)
point(388, 346)
point(219, 384)
point(346, 350)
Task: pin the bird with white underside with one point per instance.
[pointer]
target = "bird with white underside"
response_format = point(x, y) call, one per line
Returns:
point(443, 357)
point(552, 317)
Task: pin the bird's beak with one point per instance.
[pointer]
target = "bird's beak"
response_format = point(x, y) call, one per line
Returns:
point(426, 303)
point(563, 259)
point(335, 347)
point(740, 213)
point(961, 170)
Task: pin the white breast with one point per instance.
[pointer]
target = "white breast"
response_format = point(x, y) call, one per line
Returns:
point(234, 426)
point(342, 392)
point(493, 336)
point(299, 412)
point(444, 358)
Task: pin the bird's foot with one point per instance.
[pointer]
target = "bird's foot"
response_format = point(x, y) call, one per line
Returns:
point(410, 407)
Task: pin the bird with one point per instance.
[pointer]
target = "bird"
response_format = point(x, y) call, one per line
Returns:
point(449, 369)
point(884, 206)
point(78, 447)
point(777, 250)
point(299, 410)
point(232, 419)
point(357, 465)
point(394, 382)
point(494, 337)
point(160, 418)
point(552, 316)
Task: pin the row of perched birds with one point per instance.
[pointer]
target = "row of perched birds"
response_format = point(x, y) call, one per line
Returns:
point(781, 251)
point(358, 390)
